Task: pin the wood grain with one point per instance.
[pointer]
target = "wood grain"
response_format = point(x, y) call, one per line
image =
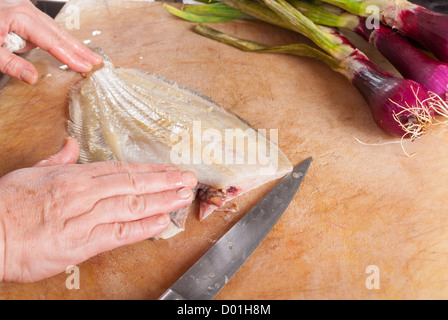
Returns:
point(361, 204)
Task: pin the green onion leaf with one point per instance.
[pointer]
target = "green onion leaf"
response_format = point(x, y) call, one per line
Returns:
point(218, 10)
point(194, 17)
point(301, 50)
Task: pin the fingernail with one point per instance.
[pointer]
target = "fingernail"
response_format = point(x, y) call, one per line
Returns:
point(28, 76)
point(188, 178)
point(163, 220)
point(98, 58)
point(87, 65)
point(184, 193)
point(171, 168)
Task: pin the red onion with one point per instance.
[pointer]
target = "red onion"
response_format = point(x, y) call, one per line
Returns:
point(399, 106)
point(411, 62)
point(426, 26)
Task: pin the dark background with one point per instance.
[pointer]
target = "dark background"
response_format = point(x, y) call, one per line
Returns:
point(436, 5)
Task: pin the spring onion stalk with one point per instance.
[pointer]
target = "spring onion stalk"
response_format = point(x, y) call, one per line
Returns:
point(401, 107)
point(251, 9)
point(301, 50)
point(411, 62)
point(281, 11)
point(216, 9)
point(359, 7)
point(198, 18)
point(416, 22)
point(208, 1)
point(314, 13)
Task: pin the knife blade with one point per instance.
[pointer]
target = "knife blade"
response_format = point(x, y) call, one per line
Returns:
point(213, 270)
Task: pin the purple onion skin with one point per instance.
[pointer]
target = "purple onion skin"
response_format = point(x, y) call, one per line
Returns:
point(427, 27)
point(407, 59)
point(380, 88)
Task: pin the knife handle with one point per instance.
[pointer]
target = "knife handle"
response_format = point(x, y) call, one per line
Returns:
point(170, 294)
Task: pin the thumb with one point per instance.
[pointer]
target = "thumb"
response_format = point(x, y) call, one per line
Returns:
point(68, 154)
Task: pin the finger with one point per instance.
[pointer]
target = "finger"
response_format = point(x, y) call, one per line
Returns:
point(80, 49)
point(58, 42)
point(68, 154)
point(100, 169)
point(132, 207)
point(143, 183)
point(17, 67)
point(106, 237)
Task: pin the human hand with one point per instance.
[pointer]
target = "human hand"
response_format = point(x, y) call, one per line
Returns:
point(38, 29)
point(59, 213)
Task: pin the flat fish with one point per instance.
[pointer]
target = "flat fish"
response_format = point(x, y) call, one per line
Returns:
point(122, 114)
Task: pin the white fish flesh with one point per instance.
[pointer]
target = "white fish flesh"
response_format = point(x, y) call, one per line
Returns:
point(120, 114)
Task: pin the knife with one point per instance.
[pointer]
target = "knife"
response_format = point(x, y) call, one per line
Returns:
point(213, 270)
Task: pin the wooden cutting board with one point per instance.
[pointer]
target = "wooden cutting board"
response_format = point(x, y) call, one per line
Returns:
point(363, 203)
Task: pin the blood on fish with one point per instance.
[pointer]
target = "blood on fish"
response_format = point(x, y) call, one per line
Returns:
point(232, 190)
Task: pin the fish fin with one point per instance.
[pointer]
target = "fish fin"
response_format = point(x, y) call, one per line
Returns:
point(75, 124)
point(205, 209)
point(177, 224)
point(169, 232)
point(179, 217)
point(93, 147)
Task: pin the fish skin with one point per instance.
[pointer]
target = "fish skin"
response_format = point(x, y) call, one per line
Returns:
point(120, 114)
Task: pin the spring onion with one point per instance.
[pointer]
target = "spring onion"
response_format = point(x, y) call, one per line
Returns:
point(194, 17)
point(401, 107)
point(411, 62)
point(216, 9)
point(416, 22)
